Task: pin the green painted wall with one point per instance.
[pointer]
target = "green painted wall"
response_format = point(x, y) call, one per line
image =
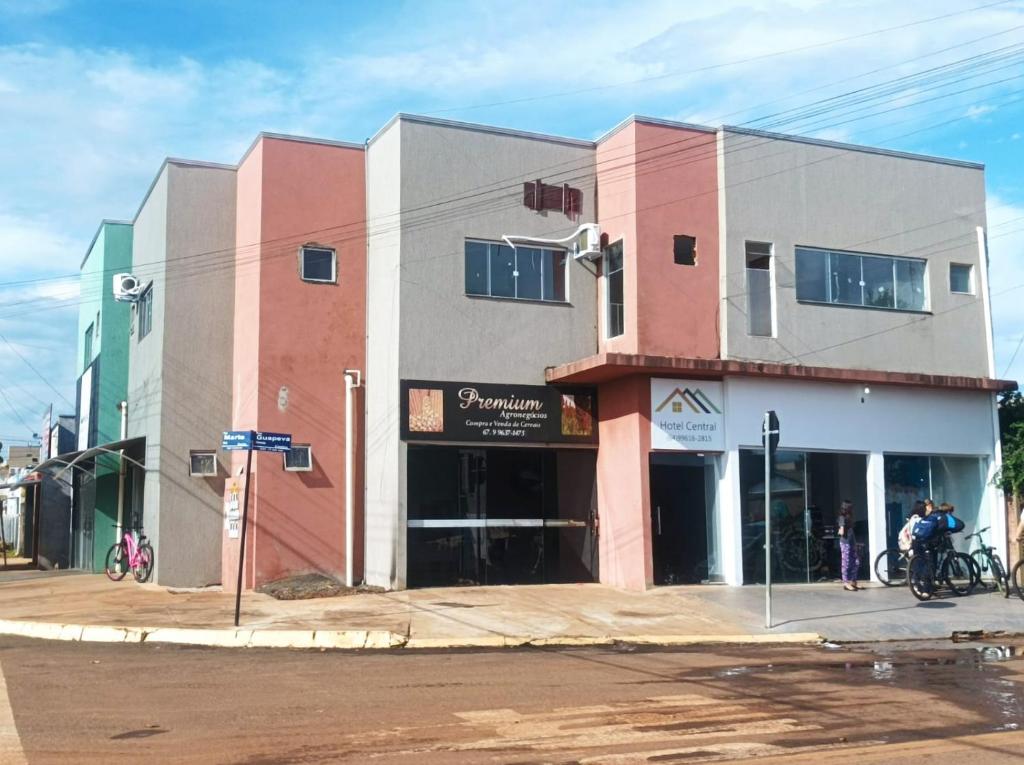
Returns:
point(110, 253)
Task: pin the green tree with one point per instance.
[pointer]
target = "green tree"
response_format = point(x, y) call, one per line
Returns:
point(1011, 430)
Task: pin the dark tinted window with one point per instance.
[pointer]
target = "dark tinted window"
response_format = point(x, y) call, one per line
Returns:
point(318, 264)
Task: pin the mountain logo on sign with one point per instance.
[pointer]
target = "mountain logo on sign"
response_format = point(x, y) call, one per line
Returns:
point(695, 399)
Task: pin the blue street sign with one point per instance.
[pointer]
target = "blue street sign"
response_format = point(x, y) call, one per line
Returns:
point(272, 442)
point(236, 439)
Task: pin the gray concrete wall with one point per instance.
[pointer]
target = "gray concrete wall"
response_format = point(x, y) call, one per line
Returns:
point(179, 387)
point(446, 335)
point(796, 193)
point(197, 358)
point(430, 187)
point(145, 357)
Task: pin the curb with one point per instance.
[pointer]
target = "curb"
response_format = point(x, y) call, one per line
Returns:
point(359, 639)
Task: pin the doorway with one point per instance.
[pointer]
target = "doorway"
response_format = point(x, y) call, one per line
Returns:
point(683, 524)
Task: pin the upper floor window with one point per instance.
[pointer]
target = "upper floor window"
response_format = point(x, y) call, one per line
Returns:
point(87, 343)
point(961, 278)
point(318, 264)
point(145, 308)
point(614, 292)
point(521, 273)
point(760, 314)
point(857, 279)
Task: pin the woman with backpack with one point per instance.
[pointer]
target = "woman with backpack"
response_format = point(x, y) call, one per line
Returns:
point(847, 546)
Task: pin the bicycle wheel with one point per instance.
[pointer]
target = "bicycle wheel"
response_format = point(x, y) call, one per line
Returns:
point(975, 571)
point(144, 568)
point(921, 577)
point(1000, 575)
point(958, 573)
point(891, 567)
point(1017, 579)
point(115, 566)
point(981, 559)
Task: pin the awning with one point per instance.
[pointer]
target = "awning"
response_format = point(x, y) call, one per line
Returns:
point(63, 462)
point(604, 367)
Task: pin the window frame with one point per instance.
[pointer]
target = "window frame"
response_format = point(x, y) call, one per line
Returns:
point(566, 260)
point(894, 261)
point(307, 469)
point(145, 311)
point(321, 248)
point(607, 274)
point(87, 344)
point(970, 279)
point(193, 453)
point(772, 302)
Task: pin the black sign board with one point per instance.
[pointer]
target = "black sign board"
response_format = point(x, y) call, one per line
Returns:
point(483, 412)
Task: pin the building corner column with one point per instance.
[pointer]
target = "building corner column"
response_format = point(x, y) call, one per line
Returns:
point(877, 530)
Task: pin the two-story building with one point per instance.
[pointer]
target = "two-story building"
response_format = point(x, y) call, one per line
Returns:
point(533, 416)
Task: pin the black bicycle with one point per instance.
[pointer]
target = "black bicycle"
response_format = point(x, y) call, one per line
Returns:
point(988, 562)
point(1017, 579)
point(939, 563)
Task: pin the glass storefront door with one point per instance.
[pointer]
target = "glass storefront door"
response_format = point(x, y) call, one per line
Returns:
point(806, 490)
point(499, 516)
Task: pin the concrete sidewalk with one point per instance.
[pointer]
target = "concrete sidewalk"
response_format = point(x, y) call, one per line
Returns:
point(89, 607)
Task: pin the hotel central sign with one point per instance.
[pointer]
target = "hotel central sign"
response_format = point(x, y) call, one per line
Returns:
point(687, 415)
point(482, 412)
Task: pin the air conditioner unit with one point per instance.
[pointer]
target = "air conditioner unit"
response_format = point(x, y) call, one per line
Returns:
point(127, 288)
point(587, 243)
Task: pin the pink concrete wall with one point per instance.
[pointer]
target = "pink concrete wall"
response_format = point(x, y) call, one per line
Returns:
point(654, 182)
point(623, 483)
point(245, 374)
point(677, 193)
point(616, 214)
point(308, 334)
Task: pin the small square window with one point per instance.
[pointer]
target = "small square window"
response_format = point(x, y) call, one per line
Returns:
point(202, 464)
point(318, 264)
point(145, 311)
point(299, 459)
point(676, 407)
point(684, 250)
point(960, 278)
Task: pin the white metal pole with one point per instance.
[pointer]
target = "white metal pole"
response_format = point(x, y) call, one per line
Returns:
point(122, 469)
point(351, 383)
point(767, 522)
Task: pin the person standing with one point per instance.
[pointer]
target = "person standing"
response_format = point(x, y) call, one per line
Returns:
point(850, 560)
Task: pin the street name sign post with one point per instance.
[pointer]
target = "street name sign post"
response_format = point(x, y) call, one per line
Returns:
point(770, 442)
point(250, 441)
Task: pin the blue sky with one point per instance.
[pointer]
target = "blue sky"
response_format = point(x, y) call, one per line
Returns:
point(93, 95)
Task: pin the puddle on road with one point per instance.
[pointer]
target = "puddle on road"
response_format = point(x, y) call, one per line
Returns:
point(982, 679)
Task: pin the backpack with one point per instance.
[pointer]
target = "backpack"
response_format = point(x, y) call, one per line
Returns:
point(953, 524)
point(906, 536)
point(928, 527)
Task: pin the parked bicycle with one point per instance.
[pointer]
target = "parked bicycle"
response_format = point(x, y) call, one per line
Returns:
point(130, 553)
point(988, 562)
point(939, 563)
point(1017, 578)
point(891, 567)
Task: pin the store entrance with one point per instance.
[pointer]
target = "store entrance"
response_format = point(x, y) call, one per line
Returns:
point(500, 516)
point(682, 502)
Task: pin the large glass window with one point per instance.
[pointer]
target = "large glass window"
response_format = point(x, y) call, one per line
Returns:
point(959, 481)
point(500, 516)
point(521, 273)
point(614, 293)
point(806, 490)
point(855, 279)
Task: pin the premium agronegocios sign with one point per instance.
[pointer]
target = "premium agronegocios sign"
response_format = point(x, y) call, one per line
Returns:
point(462, 411)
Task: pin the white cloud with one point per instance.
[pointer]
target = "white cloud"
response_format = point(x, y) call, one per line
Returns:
point(977, 111)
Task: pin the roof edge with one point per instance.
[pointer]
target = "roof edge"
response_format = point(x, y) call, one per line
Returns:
point(654, 121)
point(299, 139)
point(479, 128)
point(99, 228)
point(853, 147)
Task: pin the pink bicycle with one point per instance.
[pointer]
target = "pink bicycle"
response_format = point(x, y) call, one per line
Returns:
point(130, 554)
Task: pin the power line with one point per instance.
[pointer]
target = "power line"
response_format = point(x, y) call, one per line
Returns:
point(38, 373)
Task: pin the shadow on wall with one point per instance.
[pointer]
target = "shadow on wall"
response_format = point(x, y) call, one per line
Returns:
point(315, 478)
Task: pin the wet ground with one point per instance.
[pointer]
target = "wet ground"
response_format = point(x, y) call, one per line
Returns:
point(864, 703)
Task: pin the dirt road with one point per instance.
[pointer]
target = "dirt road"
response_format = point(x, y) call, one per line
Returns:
point(83, 703)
